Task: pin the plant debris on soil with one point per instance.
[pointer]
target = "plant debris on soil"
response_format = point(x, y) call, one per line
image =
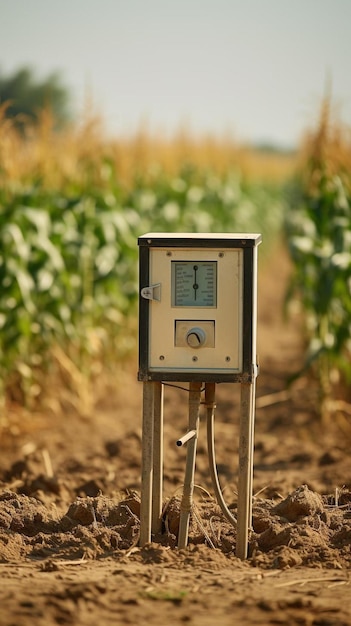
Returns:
point(70, 504)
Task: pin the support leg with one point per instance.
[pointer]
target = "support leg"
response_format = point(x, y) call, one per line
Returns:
point(245, 469)
point(147, 463)
point(157, 459)
point(187, 499)
point(252, 446)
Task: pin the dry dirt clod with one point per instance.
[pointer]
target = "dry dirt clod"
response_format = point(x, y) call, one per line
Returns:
point(301, 502)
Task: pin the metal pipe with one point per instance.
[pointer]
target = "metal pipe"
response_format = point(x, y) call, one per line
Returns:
point(189, 435)
point(187, 499)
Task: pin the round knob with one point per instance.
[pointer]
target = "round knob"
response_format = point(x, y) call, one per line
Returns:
point(195, 337)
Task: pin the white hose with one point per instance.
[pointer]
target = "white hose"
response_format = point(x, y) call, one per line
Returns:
point(212, 460)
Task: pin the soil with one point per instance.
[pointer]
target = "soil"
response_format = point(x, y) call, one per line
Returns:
point(70, 501)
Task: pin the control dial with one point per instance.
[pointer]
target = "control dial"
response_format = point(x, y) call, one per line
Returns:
point(196, 337)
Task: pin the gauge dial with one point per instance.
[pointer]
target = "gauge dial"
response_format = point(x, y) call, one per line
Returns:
point(194, 283)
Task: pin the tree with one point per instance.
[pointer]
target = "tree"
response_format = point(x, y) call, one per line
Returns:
point(27, 96)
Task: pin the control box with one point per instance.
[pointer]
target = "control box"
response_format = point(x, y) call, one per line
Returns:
point(197, 307)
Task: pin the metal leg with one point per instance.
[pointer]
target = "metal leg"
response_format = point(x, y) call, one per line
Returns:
point(187, 499)
point(147, 463)
point(156, 524)
point(252, 446)
point(245, 469)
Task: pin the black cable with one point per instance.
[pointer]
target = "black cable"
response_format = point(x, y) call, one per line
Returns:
point(181, 388)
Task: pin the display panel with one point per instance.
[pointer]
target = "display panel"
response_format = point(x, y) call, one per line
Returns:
point(194, 284)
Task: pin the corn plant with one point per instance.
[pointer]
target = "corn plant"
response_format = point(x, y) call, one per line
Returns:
point(319, 233)
point(69, 223)
point(67, 274)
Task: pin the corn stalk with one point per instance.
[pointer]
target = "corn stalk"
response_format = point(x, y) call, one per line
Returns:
point(318, 228)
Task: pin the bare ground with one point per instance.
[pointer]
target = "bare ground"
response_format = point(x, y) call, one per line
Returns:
point(70, 503)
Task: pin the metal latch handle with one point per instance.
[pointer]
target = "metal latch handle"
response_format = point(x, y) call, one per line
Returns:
point(152, 292)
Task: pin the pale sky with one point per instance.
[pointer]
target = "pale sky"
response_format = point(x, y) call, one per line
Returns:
point(256, 69)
